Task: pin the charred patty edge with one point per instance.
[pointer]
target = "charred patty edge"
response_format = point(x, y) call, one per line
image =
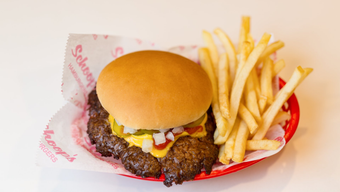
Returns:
point(198, 153)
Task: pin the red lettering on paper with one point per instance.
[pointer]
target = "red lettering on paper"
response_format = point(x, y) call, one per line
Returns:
point(78, 49)
point(75, 75)
point(139, 41)
point(95, 36)
point(81, 61)
point(58, 150)
point(51, 143)
point(118, 52)
point(105, 36)
point(86, 71)
point(48, 152)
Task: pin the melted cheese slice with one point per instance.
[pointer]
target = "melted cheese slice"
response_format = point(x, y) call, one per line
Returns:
point(137, 140)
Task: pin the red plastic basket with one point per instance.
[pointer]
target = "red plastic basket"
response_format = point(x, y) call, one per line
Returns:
point(290, 128)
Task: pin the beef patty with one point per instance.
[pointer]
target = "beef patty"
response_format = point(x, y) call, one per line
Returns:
point(183, 161)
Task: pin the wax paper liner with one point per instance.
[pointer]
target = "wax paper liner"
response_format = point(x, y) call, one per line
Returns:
point(65, 143)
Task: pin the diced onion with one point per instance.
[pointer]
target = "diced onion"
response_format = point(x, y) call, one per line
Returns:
point(129, 130)
point(163, 130)
point(147, 145)
point(170, 136)
point(178, 130)
point(119, 124)
point(159, 138)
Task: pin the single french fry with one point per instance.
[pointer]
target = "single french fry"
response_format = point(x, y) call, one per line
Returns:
point(266, 80)
point(238, 86)
point(262, 103)
point(209, 41)
point(256, 83)
point(221, 152)
point(248, 118)
point(221, 156)
point(253, 145)
point(278, 66)
point(221, 122)
point(208, 66)
point(245, 51)
point(223, 85)
point(219, 139)
point(280, 117)
point(230, 49)
point(245, 29)
point(230, 143)
point(270, 50)
point(251, 41)
point(251, 99)
point(240, 142)
point(305, 72)
point(298, 76)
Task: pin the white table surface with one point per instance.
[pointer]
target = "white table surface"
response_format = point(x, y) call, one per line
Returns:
point(33, 36)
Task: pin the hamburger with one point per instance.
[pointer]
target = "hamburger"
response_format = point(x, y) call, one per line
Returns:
point(151, 110)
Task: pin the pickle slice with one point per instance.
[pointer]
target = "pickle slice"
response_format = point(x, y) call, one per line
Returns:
point(119, 130)
point(195, 123)
point(145, 131)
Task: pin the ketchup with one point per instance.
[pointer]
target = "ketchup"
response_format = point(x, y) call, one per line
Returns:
point(167, 141)
point(162, 145)
point(194, 129)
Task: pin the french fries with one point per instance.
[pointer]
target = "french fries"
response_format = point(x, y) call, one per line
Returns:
point(266, 80)
point(230, 50)
point(237, 89)
point(243, 102)
point(226, 151)
point(251, 99)
point(262, 103)
point(253, 145)
point(209, 41)
point(240, 142)
point(270, 50)
point(221, 156)
point(245, 51)
point(248, 118)
point(280, 117)
point(223, 85)
point(251, 41)
point(221, 122)
point(230, 143)
point(219, 139)
point(283, 95)
point(256, 83)
point(245, 29)
point(278, 66)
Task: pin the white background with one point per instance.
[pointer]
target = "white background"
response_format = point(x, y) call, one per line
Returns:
point(33, 36)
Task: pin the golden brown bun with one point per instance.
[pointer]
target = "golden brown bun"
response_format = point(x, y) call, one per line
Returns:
point(154, 90)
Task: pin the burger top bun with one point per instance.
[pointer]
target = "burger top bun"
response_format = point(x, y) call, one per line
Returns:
point(154, 90)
